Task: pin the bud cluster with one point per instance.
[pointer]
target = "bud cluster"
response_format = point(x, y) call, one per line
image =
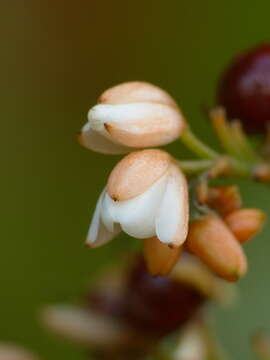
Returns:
point(216, 238)
point(147, 194)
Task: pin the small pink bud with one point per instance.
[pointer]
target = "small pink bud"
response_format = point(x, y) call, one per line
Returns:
point(245, 223)
point(159, 257)
point(212, 241)
point(224, 199)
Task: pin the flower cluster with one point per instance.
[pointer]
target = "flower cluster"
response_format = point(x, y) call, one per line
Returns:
point(148, 194)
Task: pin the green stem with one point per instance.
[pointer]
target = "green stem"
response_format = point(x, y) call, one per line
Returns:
point(241, 169)
point(192, 167)
point(193, 143)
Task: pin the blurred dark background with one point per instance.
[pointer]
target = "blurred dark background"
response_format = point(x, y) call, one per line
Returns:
point(56, 58)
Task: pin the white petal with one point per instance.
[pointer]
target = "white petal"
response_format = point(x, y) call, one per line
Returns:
point(137, 215)
point(107, 213)
point(137, 124)
point(84, 327)
point(172, 218)
point(98, 234)
point(96, 141)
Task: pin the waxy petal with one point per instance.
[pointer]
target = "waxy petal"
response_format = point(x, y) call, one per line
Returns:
point(139, 124)
point(96, 141)
point(136, 172)
point(98, 234)
point(135, 91)
point(137, 215)
point(173, 215)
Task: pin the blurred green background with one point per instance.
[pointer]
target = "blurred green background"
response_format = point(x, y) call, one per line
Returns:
point(56, 58)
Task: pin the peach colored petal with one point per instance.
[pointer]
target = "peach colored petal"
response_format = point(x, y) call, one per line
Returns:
point(135, 91)
point(136, 172)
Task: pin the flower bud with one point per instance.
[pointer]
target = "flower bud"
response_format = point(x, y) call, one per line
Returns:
point(211, 240)
point(132, 115)
point(224, 199)
point(146, 195)
point(159, 257)
point(245, 223)
point(262, 172)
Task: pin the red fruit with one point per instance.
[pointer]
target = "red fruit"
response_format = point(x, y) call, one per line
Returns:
point(159, 305)
point(153, 305)
point(244, 89)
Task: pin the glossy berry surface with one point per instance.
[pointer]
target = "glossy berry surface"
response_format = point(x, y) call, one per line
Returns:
point(159, 305)
point(153, 305)
point(244, 89)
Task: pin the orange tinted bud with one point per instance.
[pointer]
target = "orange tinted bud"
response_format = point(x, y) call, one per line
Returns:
point(212, 241)
point(159, 257)
point(262, 173)
point(224, 199)
point(245, 223)
point(136, 172)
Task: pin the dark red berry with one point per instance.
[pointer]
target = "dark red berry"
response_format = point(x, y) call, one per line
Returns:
point(244, 89)
point(154, 305)
point(159, 305)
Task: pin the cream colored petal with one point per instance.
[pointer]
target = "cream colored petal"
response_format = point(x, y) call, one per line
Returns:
point(98, 234)
point(139, 124)
point(96, 141)
point(172, 218)
point(107, 212)
point(137, 215)
point(84, 327)
point(135, 91)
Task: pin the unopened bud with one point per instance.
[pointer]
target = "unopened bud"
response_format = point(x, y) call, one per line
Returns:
point(132, 115)
point(262, 172)
point(211, 240)
point(224, 199)
point(159, 257)
point(245, 223)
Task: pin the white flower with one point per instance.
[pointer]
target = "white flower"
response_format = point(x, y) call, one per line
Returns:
point(146, 195)
point(132, 115)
